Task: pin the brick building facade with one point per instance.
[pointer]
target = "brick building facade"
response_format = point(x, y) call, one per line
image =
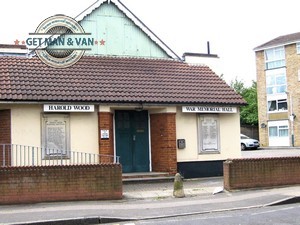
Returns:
point(278, 76)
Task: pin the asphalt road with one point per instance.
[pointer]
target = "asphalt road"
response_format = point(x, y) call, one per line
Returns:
point(275, 215)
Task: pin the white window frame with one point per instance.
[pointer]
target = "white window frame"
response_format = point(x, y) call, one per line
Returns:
point(298, 47)
point(275, 87)
point(274, 58)
point(208, 134)
point(277, 102)
point(278, 129)
point(60, 122)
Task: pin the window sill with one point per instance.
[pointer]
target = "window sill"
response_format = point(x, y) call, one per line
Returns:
point(278, 111)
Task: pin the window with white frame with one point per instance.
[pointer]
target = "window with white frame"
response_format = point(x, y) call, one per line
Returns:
point(209, 133)
point(298, 47)
point(279, 131)
point(276, 81)
point(55, 135)
point(277, 105)
point(275, 58)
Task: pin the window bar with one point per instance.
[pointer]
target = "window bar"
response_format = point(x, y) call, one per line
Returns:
point(42, 151)
point(23, 155)
point(28, 156)
point(20, 159)
point(57, 156)
point(37, 156)
point(22, 148)
point(16, 159)
point(12, 155)
point(61, 157)
point(3, 154)
point(32, 153)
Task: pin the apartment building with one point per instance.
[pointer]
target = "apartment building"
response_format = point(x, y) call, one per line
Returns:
point(278, 77)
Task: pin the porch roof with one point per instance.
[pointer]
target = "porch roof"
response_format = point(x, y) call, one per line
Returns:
point(113, 79)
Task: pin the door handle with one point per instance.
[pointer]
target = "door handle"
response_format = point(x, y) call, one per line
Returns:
point(133, 138)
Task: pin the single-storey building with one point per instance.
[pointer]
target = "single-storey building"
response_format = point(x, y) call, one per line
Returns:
point(155, 111)
point(156, 114)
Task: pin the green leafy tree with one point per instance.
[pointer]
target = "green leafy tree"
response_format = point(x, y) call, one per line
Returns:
point(249, 113)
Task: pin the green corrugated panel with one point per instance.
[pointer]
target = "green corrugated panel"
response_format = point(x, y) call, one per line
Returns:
point(120, 35)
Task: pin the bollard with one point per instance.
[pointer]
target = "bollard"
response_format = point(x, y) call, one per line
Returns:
point(178, 191)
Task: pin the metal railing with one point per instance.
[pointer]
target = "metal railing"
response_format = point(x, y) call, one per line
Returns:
point(21, 155)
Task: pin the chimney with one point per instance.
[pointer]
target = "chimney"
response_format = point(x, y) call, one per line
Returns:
point(211, 60)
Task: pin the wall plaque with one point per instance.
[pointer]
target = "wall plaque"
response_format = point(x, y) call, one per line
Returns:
point(209, 131)
point(55, 134)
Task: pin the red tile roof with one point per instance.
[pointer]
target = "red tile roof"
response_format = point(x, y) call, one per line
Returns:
point(113, 79)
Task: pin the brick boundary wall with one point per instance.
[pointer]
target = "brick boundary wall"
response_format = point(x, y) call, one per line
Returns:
point(60, 183)
point(261, 172)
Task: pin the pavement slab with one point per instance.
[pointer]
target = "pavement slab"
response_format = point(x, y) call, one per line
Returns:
point(149, 200)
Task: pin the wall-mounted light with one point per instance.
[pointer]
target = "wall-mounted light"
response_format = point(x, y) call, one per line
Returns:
point(263, 125)
point(292, 117)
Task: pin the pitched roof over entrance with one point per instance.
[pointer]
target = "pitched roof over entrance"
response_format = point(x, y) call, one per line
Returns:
point(113, 79)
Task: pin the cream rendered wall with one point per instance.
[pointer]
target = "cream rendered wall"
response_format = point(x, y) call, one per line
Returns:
point(84, 132)
point(186, 128)
point(26, 128)
point(26, 124)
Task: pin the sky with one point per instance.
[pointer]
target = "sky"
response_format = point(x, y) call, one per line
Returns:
point(233, 27)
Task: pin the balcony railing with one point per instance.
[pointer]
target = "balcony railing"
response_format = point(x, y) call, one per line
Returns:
point(21, 155)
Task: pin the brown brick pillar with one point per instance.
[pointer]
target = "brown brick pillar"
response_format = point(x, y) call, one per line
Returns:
point(163, 142)
point(106, 146)
point(5, 137)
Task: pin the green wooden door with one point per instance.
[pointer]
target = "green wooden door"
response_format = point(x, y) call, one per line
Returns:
point(132, 140)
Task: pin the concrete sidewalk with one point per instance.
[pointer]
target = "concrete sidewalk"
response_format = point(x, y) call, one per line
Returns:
point(145, 201)
point(159, 190)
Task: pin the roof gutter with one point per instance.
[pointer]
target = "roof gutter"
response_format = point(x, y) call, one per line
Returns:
point(275, 46)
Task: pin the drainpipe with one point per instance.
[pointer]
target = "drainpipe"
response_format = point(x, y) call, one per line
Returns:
point(291, 117)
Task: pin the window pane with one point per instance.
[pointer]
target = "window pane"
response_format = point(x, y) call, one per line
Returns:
point(276, 82)
point(269, 54)
point(280, 79)
point(274, 58)
point(270, 90)
point(281, 89)
point(282, 105)
point(283, 132)
point(270, 80)
point(273, 132)
point(272, 105)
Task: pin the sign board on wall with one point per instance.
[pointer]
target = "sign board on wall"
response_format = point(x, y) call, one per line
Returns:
point(104, 134)
point(68, 108)
point(209, 109)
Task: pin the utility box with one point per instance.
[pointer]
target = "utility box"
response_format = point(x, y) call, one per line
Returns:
point(180, 143)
